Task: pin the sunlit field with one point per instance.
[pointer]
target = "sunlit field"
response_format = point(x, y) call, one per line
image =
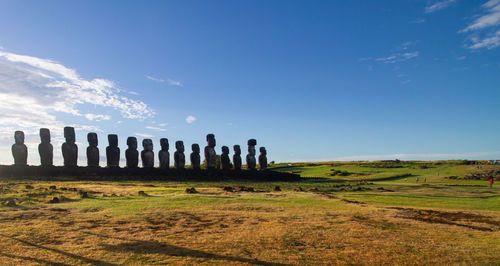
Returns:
point(365, 214)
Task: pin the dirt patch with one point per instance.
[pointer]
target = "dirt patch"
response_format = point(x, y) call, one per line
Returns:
point(182, 222)
point(464, 219)
point(28, 214)
point(376, 223)
point(249, 208)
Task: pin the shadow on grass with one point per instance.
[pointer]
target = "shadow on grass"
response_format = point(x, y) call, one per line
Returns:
point(47, 262)
point(152, 247)
point(73, 256)
point(390, 178)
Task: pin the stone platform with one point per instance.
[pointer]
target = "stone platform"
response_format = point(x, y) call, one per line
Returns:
point(117, 173)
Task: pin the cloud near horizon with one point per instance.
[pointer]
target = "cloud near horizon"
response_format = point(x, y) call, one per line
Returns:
point(156, 128)
point(37, 92)
point(190, 119)
point(144, 135)
point(492, 155)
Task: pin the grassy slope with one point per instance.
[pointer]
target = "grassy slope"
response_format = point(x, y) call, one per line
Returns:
point(328, 222)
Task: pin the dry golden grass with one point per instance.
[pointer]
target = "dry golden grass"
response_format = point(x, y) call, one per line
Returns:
point(217, 227)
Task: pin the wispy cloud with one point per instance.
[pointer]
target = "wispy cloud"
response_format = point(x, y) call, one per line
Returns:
point(418, 21)
point(406, 45)
point(398, 57)
point(61, 89)
point(190, 119)
point(485, 31)
point(162, 124)
point(171, 82)
point(490, 42)
point(97, 118)
point(439, 6)
point(490, 17)
point(155, 79)
point(156, 128)
point(37, 92)
point(144, 135)
point(175, 83)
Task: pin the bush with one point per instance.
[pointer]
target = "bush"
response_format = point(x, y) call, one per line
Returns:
point(339, 172)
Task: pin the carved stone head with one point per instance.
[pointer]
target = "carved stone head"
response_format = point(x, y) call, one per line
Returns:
point(251, 150)
point(113, 140)
point(195, 148)
point(147, 144)
point(69, 134)
point(164, 144)
point(263, 150)
point(45, 135)
point(92, 138)
point(211, 140)
point(225, 150)
point(19, 137)
point(237, 149)
point(132, 143)
point(179, 145)
point(252, 142)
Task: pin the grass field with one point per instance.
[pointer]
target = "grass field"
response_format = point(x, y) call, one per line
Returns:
point(365, 213)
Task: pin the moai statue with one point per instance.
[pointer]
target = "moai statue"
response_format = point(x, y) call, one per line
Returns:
point(92, 150)
point(263, 158)
point(163, 154)
point(45, 149)
point(251, 163)
point(19, 150)
point(179, 158)
point(237, 157)
point(224, 158)
point(131, 154)
point(113, 151)
point(210, 155)
point(147, 155)
point(69, 148)
point(195, 156)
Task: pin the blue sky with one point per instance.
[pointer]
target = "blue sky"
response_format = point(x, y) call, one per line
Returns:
point(310, 80)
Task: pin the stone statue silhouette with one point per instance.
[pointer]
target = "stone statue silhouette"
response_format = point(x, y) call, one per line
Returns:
point(19, 150)
point(113, 151)
point(92, 150)
point(179, 158)
point(224, 158)
point(45, 148)
point(131, 154)
point(147, 155)
point(263, 158)
point(237, 157)
point(251, 163)
point(210, 155)
point(195, 156)
point(69, 148)
point(163, 154)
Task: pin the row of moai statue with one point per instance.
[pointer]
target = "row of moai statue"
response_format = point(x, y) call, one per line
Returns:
point(70, 152)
